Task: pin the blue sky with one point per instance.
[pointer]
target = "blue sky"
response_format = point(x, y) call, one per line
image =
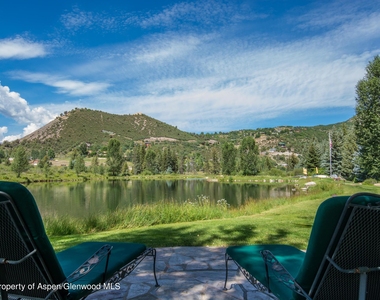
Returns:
point(202, 65)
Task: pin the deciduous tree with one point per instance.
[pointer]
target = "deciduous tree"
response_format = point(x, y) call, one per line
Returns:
point(114, 157)
point(20, 161)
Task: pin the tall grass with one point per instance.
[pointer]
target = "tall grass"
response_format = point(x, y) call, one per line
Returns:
point(168, 212)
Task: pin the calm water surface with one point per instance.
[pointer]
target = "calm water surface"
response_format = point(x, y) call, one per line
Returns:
point(82, 199)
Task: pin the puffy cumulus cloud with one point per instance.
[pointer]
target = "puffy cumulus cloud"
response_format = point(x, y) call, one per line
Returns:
point(30, 128)
point(20, 48)
point(9, 138)
point(13, 106)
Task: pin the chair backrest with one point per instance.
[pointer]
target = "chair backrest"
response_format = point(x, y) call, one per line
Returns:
point(347, 231)
point(22, 232)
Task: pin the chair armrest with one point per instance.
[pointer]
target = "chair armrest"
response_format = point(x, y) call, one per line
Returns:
point(358, 270)
point(91, 263)
point(282, 275)
point(15, 262)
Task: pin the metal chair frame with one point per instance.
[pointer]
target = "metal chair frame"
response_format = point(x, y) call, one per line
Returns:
point(32, 258)
point(333, 266)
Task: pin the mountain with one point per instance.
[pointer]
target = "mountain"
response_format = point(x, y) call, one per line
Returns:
point(96, 127)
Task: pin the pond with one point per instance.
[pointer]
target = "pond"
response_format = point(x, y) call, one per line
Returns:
point(85, 198)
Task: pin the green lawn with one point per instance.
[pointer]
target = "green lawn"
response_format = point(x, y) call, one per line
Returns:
point(284, 224)
point(288, 223)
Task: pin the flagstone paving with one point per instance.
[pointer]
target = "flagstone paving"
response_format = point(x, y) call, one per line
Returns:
point(183, 273)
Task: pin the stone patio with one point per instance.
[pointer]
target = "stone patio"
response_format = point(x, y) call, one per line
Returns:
point(184, 273)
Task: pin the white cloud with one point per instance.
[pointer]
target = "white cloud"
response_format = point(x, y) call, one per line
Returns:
point(203, 13)
point(20, 48)
point(78, 88)
point(30, 128)
point(163, 47)
point(77, 19)
point(335, 13)
point(64, 86)
point(27, 130)
point(17, 108)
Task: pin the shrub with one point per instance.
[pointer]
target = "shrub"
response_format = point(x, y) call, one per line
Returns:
point(369, 181)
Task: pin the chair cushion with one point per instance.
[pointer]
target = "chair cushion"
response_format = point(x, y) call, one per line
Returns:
point(325, 223)
point(250, 259)
point(70, 259)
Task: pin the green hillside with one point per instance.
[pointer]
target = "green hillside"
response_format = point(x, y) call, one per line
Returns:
point(97, 127)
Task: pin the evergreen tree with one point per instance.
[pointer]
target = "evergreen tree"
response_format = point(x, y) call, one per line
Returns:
point(336, 145)
point(138, 158)
point(34, 154)
point(349, 150)
point(312, 160)
point(20, 161)
point(173, 161)
point(249, 153)
point(164, 163)
point(150, 161)
point(114, 157)
point(158, 161)
point(51, 153)
point(83, 149)
point(228, 158)
point(292, 161)
point(215, 167)
point(367, 120)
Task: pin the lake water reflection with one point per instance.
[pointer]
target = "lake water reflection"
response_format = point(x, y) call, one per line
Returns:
point(81, 199)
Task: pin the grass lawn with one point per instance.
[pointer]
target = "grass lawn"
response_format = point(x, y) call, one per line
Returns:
point(283, 224)
point(288, 222)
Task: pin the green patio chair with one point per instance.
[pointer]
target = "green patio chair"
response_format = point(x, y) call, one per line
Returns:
point(30, 269)
point(342, 260)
